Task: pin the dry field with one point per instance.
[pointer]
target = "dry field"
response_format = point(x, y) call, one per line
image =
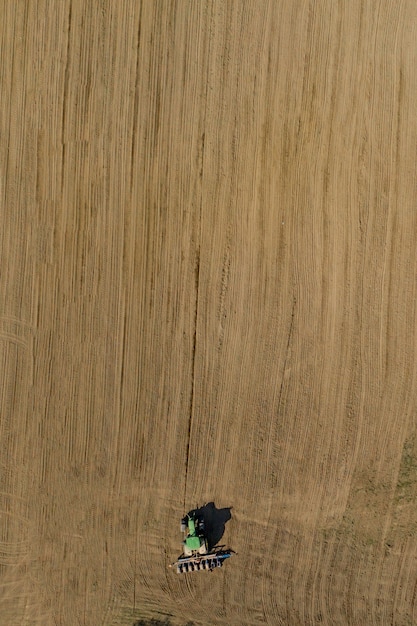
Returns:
point(208, 287)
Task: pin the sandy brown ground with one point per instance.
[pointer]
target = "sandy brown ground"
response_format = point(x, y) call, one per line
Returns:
point(208, 228)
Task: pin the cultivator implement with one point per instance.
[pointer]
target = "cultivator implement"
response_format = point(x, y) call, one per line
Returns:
point(208, 562)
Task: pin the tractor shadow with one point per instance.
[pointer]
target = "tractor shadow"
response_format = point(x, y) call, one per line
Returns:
point(215, 521)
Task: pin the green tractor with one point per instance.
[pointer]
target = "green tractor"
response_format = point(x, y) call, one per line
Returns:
point(195, 542)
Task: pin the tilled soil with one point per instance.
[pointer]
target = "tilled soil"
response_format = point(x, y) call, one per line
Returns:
point(208, 225)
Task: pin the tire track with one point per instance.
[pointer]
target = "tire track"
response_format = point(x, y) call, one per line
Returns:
point(197, 287)
point(193, 369)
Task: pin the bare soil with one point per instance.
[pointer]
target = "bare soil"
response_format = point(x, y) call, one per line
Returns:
point(208, 227)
